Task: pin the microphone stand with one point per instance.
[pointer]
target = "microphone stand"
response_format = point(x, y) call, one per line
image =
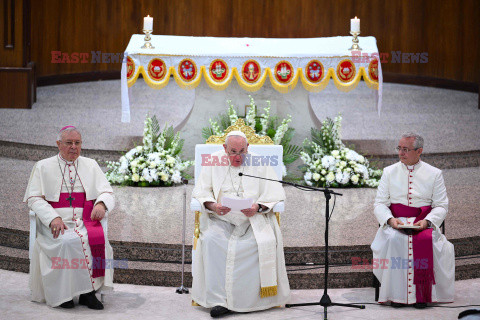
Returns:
point(182, 289)
point(325, 301)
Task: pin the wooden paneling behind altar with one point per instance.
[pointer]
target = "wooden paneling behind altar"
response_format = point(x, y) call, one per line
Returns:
point(445, 30)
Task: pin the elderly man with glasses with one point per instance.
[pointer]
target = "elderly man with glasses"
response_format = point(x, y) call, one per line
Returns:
point(238, 262)
point(69, 195)
point(416, 263)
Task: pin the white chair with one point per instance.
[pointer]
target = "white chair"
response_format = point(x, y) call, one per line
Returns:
point(33, 237)
point(261, 145)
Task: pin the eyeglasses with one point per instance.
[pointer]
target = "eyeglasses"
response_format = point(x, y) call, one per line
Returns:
point(72, 143)
point(404, 150)
point(236, 153)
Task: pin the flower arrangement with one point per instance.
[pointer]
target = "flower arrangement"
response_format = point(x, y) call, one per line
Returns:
point(328, 163)
point(264, 125)
point(156, 163)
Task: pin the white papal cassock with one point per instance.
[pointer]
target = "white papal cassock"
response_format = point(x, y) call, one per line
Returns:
point(52, 280)
point(226, 270)
point(414, 186)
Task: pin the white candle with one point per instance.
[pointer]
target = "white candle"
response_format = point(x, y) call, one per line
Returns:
point(148, 23)
point(355, 25)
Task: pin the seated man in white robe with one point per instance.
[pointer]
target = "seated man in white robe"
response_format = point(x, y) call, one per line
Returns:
point(238, 261)
point(417, 266)
point(69, 195)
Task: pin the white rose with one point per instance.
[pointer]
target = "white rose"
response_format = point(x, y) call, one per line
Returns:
point(361, 159)
point(348, 169)
point(330, 176)
point(139, 148)
point(324, 172)
point(135, 178)
point(343, 164)
point(134, 163)
point(152, 165)
point(316, 176)
point(354, 179)
point(335, 153)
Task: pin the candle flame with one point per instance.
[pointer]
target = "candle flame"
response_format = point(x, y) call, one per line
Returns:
point(356, 17)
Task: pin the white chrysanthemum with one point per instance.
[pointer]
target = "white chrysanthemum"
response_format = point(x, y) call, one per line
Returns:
point(342, 177)
point(328, 161)
point(146, 175)
point(176, 177)
point(123, 169)
point(351, 155)
point(307, 176)
point(154, 174)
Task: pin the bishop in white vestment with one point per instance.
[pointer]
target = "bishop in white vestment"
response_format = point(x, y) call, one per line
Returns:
point(238, 260)
point(72, 256)
point(416, 267)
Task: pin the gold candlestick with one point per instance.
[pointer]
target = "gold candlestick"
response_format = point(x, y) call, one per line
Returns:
point(355, 45)
point(147, 39)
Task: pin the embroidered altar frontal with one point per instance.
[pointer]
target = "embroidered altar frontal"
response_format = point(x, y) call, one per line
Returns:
point(251, 61)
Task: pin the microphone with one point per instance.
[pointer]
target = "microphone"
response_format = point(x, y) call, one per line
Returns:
point(326, 190)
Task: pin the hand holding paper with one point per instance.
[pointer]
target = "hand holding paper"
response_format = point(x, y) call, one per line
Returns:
point(237, 205)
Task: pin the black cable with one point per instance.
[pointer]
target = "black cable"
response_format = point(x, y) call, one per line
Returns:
point(334, 201)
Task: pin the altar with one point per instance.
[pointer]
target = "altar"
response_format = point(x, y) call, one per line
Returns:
point(217, 61)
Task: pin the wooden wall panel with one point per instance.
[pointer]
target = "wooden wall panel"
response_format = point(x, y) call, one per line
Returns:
point(448, 30)
point(11, 48)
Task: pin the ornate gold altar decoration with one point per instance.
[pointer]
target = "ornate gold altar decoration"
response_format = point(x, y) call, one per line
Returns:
point(240, 125)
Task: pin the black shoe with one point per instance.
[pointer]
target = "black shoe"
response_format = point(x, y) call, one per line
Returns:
point(68, 305)
point(420, 305)
point(218, 311)
point(90, 300)
point(397, 305)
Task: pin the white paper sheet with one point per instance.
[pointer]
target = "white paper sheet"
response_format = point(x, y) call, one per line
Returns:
point(237, 204)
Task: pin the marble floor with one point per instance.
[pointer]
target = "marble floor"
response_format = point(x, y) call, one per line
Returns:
point(147, 302)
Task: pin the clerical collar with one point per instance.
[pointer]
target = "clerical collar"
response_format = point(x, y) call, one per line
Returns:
point(68, 162)
point(413, 166)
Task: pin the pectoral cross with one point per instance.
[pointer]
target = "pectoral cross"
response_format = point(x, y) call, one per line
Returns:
point(70, 199)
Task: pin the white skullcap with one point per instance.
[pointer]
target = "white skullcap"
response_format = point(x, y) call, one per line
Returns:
point(237, 133)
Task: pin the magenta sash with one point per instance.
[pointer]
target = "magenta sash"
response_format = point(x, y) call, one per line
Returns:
point(96, 237)
point(422, 245)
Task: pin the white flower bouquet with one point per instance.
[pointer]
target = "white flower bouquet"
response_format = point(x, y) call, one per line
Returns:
point(328, 163)
point(156, 163)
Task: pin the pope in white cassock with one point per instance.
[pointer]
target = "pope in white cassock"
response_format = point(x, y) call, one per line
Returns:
point(238, 261)
point(415, 267)
point(69, 195)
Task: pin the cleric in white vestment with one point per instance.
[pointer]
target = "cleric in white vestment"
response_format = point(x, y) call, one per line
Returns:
point(238, 260)
point(72, 256)
point(421, 263)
